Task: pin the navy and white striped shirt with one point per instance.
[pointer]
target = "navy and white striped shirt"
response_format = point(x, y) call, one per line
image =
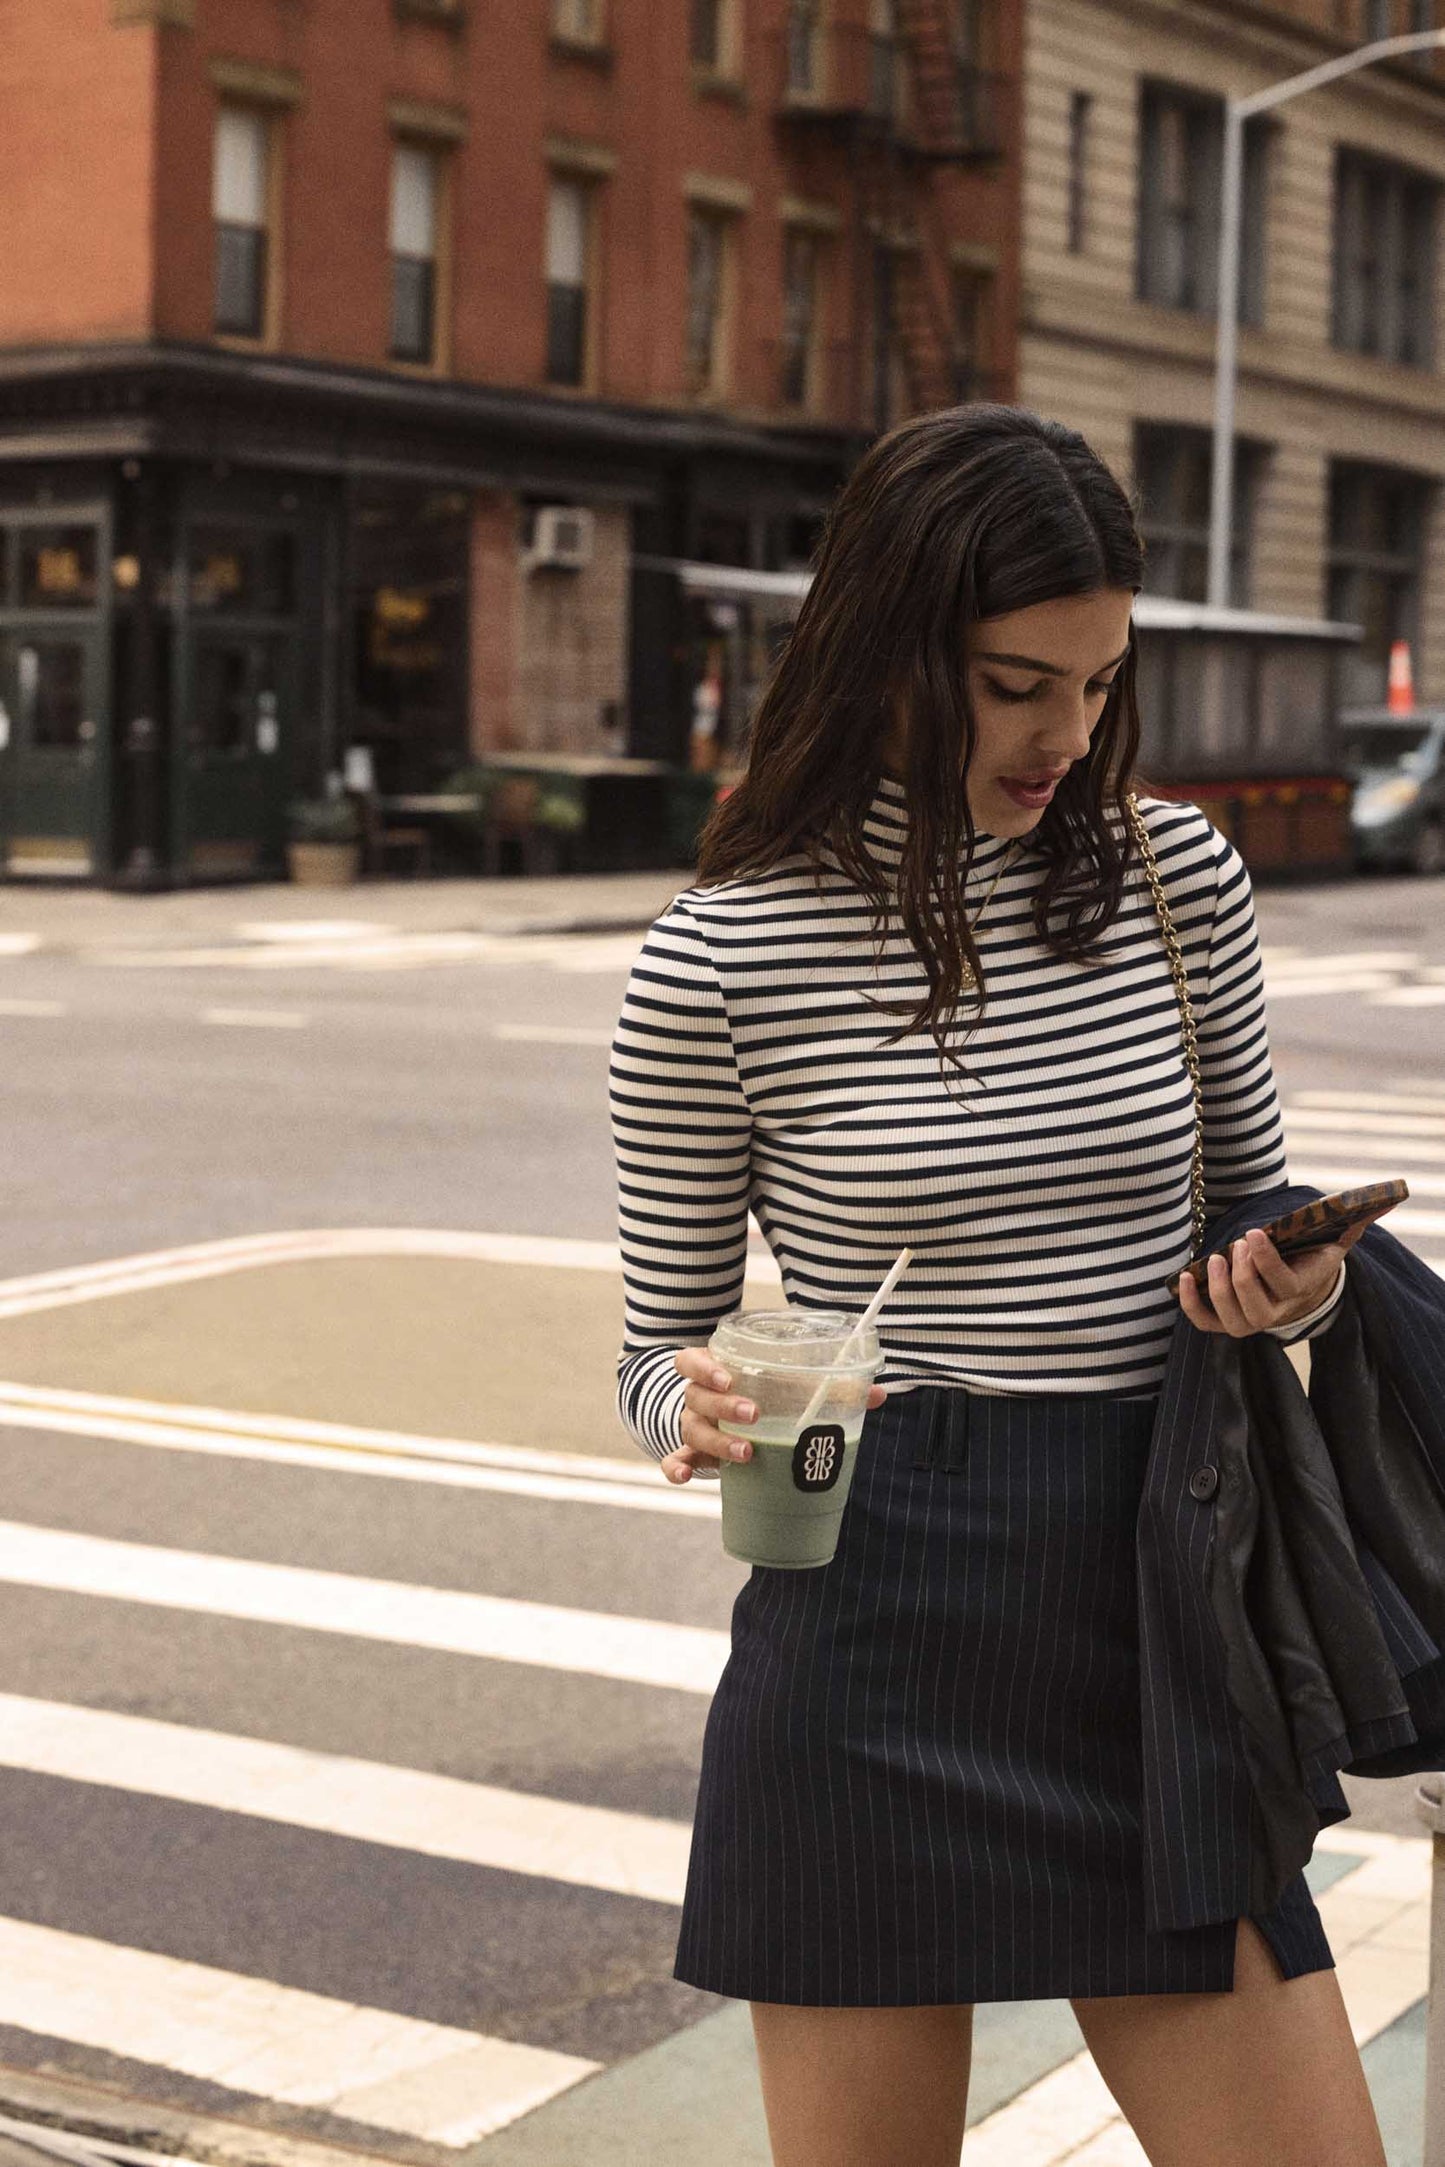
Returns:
point(1045, 1213)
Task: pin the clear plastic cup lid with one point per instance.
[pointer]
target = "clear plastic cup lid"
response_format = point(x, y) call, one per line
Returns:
point(804, 1339)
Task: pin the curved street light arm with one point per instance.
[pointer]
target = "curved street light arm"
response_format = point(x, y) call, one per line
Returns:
point(1226, 347)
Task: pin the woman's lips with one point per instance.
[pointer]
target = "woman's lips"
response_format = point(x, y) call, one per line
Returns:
point(1030, 792)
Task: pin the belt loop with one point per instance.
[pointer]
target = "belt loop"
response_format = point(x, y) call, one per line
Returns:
point(931, 1419)
point(956, 1430)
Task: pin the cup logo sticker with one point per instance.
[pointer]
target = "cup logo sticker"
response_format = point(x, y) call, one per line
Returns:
point(818, 1457)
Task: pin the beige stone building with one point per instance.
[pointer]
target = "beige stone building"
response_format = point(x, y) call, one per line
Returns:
point(1341, 411)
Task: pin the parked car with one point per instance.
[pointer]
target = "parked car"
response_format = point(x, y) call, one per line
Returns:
point(1397, 763)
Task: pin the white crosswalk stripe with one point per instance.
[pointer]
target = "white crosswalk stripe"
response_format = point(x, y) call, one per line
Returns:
point(1383, 977)
point(388, 950)
point(629, 1854)
point(684, 1658)
point(433, 2081)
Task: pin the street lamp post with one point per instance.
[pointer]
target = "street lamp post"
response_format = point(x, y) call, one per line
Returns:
point(1226, 349)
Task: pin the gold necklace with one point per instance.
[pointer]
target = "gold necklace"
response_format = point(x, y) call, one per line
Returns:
point(970, 975)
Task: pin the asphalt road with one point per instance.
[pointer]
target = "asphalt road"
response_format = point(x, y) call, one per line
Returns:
point(493, 1624)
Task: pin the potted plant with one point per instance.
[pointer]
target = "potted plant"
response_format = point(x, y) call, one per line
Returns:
point(323, 847)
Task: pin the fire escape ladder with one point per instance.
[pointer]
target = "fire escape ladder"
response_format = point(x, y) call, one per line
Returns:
point(900, 220)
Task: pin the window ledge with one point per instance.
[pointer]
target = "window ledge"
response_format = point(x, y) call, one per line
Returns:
point(714, 83)
point(446, 14)
point(591, 52)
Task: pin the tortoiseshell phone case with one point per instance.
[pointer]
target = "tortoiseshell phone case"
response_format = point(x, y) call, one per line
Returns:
point(1313, 1225)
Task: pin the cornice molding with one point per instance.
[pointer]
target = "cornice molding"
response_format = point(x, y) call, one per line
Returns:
point(258, 84)
point(426, 119)
point(568, 155)
point(718, 191)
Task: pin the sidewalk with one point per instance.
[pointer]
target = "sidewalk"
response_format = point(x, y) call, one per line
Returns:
point(61, 918)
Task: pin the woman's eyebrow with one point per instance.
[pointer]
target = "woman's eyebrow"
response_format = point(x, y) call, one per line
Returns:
point(1031, 662)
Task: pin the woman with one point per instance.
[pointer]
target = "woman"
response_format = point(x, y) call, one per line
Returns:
point(919, 995)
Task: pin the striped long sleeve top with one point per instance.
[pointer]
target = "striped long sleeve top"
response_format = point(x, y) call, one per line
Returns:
point(1045, 1211)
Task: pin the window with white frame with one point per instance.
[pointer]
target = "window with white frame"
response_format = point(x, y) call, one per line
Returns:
point(416, 189)
point(804, 39)
point(713, 36)
point(569, 279)
point(708, 244)
point(241, 208)
point(801, 260)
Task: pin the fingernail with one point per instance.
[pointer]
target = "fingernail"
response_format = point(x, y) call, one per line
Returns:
point(741, 1449)
point(745, 1410)
point(720, 1380)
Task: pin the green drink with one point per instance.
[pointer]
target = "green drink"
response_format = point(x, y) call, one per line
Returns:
point(784, 1506)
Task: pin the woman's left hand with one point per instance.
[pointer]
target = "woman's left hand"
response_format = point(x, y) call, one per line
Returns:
point(1257, 1288)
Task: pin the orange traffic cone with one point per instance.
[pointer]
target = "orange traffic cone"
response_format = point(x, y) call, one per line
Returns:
point(1402, 682)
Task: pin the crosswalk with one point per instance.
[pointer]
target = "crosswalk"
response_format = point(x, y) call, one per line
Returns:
point(1338, 1139)
point(400, 1861)
point(109, 1976)
point(377, 2071)
point(385, 949)
point(1381, 977)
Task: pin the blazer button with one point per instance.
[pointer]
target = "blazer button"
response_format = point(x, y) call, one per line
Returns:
point(1204, 1482)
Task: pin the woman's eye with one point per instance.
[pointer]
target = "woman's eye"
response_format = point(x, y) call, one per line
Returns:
point(1002, 692)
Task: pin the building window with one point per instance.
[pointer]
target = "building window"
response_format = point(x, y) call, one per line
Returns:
point(892, 387)
point(569, 265)
point(805, 48)
point(708, 243)
point(1181, 156)
point(713, 36)
point(1385, 219)
point(241, 192)
point(971, 293)
point(885, 60)
point(578, 22)
point(1173, 469)
point(1377, 528)
point(415, 223)
point(1081, 107)
point(801, 253)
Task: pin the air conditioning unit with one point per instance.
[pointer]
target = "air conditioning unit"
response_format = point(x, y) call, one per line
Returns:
point(562, 538)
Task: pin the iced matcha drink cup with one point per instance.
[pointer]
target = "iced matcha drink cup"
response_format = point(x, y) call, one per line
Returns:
point(784, 1506)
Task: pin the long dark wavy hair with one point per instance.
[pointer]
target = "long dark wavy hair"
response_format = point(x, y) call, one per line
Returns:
point(969, 513)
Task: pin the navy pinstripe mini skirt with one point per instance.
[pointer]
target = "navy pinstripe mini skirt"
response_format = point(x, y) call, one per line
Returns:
point(921, 1774)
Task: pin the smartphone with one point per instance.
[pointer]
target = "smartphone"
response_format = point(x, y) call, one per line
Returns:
point(1312, 1225)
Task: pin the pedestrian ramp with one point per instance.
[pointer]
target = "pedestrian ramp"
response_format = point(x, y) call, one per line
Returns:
point(380, 2073)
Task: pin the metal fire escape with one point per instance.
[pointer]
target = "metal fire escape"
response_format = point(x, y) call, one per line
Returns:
point(898, 101)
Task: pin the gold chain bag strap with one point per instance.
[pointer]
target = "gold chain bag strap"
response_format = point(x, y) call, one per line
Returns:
point(1187, 1031)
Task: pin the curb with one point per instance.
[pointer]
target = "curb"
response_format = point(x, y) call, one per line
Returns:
point(75, 2108)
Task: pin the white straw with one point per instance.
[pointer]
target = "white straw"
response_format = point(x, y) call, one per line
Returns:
point(905, 1258)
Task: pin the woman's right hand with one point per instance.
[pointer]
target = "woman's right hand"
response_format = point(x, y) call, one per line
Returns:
point(707, 1401)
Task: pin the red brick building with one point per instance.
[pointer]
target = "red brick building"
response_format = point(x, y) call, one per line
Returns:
point(368, 369)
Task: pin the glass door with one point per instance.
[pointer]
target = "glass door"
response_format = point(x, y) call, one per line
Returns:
point(237, 711)
point(51, 690)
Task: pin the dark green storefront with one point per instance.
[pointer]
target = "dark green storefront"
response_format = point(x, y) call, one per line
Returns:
point(217, 572)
